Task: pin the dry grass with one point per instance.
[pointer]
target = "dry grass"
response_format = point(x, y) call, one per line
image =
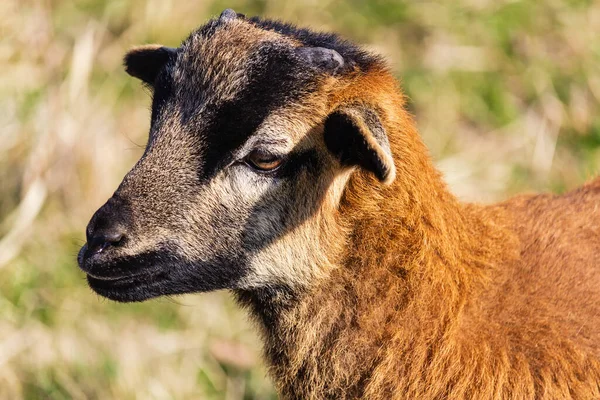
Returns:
point(506, 93)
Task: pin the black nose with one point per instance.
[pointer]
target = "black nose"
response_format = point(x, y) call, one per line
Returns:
point(107, 228)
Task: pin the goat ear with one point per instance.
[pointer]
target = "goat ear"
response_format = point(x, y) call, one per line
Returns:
point(145, 62)
point(322, 59)
point(357, 137)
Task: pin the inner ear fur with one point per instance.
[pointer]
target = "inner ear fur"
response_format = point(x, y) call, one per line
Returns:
point(145, 62)
point(356, 136)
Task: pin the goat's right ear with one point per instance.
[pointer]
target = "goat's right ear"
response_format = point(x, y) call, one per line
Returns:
point(356, 136)
point(145, 62)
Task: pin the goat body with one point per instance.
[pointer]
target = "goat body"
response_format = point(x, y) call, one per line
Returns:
point(439, 299)
point(451, 301)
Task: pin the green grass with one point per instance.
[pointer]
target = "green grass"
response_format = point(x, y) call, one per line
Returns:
point(506, 95)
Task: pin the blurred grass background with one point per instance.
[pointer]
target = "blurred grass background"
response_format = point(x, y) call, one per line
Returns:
point(506, 95)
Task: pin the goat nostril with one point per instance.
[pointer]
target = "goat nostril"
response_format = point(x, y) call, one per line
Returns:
point(113, 237)
point(102, 240)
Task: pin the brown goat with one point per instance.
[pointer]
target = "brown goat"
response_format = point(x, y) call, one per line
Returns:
point(283, 166)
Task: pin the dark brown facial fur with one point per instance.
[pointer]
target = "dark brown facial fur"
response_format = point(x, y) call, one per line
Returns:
point(366, 276)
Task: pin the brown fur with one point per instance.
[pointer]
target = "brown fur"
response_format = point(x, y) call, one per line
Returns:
point(437, 299)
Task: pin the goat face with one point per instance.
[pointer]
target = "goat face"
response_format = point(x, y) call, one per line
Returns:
point(245, 165)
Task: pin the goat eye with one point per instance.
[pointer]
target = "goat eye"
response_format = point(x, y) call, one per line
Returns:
point(264, 162)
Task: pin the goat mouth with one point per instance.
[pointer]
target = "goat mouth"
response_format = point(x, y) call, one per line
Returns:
point(124, 278)
point(138, 287)
point(135, 278)
point(113, 278)
point(116, 267)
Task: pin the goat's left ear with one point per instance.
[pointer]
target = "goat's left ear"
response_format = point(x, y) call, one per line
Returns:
point(357, 137)
point(145, 62)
